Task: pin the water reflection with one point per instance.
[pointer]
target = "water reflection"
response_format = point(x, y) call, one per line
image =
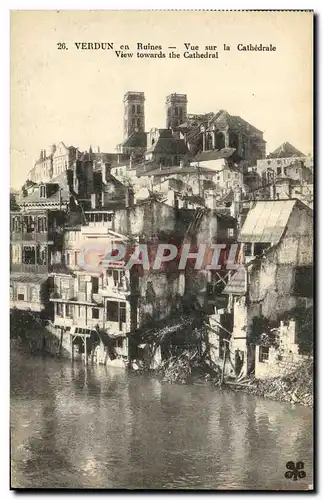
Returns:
point(98, 427)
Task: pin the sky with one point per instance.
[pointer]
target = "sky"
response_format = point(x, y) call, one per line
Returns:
point(76, 96)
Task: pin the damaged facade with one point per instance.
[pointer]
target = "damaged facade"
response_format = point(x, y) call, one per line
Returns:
point(204, 179)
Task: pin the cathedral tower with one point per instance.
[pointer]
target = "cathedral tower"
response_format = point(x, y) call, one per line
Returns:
point(134, 113)
point(176, 110)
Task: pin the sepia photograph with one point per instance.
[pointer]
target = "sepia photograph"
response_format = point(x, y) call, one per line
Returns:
point(161, 250)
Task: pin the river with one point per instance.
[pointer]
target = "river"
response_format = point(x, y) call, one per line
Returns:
point(95, 427)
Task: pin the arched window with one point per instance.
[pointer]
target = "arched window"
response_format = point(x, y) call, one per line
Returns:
point(234, 140)
point(42, 192)
point(133, 108)
point(138, 123)
point(219, 141)
point(208, 142)
point(138, 108)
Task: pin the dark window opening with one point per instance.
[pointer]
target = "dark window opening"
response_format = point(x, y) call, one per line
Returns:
point(304, 281)
point(279, 171)
point(176, 111)
point(21, 296)
point(263, 354)
point(116, 312)
point(42, 192)
point(95, 285)
point(219, 141)
point(138, 108)
point(29, 255)
point(29, 224)
point(117, 342)
point(95, 313)
point(260, 248)
point(112, 311)
point(59, 309)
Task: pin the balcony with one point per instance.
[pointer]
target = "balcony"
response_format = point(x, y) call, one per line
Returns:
point(34, 236)
point(97, 229)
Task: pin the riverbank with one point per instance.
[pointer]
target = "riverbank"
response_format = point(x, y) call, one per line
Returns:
point(293, 388)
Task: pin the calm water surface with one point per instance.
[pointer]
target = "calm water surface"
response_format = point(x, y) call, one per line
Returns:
point(73, 427)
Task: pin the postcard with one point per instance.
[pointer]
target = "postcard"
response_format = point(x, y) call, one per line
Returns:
point(161, 250)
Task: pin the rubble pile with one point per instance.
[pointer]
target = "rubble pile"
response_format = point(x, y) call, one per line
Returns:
point(188, 367)
point(296, 387)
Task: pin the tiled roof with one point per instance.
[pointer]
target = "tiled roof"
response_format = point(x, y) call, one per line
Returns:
point(104, 157)
point(170, 145)
point(216, 154)
point(54, 198)
point(266, 221)
point(237, 284)
point(285, 150)
point(190, 169)
point(136, 140)
point(35, 279)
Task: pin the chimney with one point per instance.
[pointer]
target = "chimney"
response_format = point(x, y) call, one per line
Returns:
point(93, 201)
point(44, 153)
point(105, 170)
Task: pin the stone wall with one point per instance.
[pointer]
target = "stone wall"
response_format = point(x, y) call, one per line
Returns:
point(276, 362)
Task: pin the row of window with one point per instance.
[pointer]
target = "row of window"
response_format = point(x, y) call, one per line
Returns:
point(115, 311)
point(34, 255)
point(136, 122)
point(177, 111)
point(99, 217)
point(21, 294)
point(113, 277)
point(29, 224)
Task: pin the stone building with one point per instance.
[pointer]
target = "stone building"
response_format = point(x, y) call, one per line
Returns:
point(109, 301)
point(43, 168)
point(176, 110)
point(276, 273)
point(53, 162)
point(134, 113)
point(36, 236)
point(216, 131)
